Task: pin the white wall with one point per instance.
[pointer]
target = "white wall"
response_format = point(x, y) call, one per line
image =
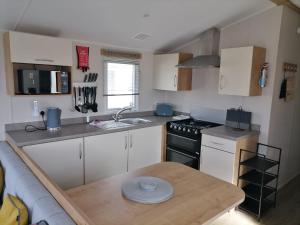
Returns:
point(284, 129)
point(261, 30)
point(19, 108)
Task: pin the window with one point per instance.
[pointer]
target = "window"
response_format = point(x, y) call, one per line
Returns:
point(121, 84)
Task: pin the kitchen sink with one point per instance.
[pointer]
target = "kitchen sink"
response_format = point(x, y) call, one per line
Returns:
point(111, 124)
point(135, 121)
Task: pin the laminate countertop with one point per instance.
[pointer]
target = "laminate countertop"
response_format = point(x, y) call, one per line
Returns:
point(22, 138)
point(198, 198)
point(229, 133)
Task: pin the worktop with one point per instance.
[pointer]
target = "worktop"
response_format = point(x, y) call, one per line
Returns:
point(229, 133)
point(198, 198)
point(22, 138)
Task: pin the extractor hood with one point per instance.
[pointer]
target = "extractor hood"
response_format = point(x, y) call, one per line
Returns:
point(208, 54)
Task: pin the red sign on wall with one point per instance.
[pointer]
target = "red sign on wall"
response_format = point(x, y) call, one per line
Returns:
point(83, 58)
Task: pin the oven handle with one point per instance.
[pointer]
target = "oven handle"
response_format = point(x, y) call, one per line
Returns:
point(181, 153)
point(183, 137)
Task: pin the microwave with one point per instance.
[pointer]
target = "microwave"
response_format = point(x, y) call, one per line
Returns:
point(36, 82)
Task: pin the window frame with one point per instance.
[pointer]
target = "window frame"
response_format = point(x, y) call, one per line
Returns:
point(137, 80)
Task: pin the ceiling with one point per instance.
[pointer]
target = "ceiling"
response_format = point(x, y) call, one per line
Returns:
point(115, 22)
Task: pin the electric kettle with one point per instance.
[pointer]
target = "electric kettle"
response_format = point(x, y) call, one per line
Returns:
point(53, 118)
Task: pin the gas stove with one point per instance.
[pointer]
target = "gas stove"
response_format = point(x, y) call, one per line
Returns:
point(189, 127)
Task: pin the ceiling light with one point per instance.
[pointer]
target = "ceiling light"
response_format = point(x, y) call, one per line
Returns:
point(141, 36)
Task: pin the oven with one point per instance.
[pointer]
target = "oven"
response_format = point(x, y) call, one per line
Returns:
point(182, 149)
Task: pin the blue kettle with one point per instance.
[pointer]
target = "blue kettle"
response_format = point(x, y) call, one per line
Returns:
point(53, 118)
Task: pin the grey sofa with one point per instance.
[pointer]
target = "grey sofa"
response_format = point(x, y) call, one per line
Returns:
point(20, 181)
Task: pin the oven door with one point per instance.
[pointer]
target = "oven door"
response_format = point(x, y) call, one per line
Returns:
point(185, 143)
point(183, 158)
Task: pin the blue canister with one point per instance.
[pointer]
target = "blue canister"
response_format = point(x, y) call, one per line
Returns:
point(53, 118)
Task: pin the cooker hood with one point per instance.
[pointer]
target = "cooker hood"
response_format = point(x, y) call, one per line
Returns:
point(208, 53)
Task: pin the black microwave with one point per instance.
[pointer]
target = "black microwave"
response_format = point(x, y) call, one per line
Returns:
point(36, 82)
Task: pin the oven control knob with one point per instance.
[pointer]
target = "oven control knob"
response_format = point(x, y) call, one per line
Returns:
point(184, 129)
point(179, 128)
point(175, 127)
point(189, 130)
point(196, 132)
point(171, 126)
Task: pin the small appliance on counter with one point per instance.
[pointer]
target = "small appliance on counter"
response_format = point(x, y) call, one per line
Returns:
point(164, 109)
point(238, 119)
point(53, 119)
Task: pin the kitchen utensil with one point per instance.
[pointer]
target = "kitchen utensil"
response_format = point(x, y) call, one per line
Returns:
point(80, 103)
point(75, 100)
point(283, 88)
point(85, 78)
point(147, 190)
point(84, 108)
point(94, 106)
point(96, 77)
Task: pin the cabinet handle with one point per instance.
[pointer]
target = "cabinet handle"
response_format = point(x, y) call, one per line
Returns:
point(131, 141)
point(44, 60)
point(80, 151)
point(175, 80)
point(217, 143)
point(222, 82)
point(126, 143)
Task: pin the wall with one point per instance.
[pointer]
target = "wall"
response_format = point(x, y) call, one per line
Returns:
point(284, 128)
point(19, 109)
point(205, 80)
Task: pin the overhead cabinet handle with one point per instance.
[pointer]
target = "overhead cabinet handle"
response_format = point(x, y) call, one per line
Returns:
point(126, 142)
point(175, 80)
point(44, 60)
point(131, 141)
point(80, 151)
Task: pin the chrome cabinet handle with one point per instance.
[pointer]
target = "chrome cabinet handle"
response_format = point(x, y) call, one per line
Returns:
point(80, 151)
point(44, 60)
point(222, 82)
point(131, 141)
point(175, 80)
point(126, 143)
point(217, 143)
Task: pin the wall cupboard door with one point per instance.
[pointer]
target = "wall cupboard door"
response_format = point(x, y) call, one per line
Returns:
point(167, 76)
point(62, 161)
point(217, 163)
point(144, 147)
point(105, 155)
point(240, 71)
point(39, 49)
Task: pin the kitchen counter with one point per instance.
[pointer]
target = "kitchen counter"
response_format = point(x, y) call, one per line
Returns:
point(229, 133)
point(198, 198)
point(22, 138)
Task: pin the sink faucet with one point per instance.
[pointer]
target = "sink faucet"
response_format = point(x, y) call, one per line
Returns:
point(117, 116)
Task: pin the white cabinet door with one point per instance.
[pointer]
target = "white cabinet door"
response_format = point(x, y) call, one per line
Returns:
point(235, 71)
point(62, 161)
point(38, 49)
point(166, 72)
point(105, 155)
point(217, 163)
point(145, 147)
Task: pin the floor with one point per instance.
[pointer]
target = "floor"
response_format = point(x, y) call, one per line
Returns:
point(287, 211)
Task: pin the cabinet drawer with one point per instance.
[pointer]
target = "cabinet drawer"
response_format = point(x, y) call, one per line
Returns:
point(219, 143)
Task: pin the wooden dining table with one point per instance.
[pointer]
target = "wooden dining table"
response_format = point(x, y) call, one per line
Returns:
point(198, 198)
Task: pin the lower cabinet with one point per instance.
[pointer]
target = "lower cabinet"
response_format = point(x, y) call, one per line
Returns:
point(111, 154)
point(105, 155)
point(217, 163)
point(62, 161)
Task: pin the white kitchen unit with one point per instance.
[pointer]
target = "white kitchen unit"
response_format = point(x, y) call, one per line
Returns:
point(62, 161)
point(38, 49)
point(110, 154)
point(145, 147)
point(240, 71)
point(169, 77)
point(105, 155)
point(220, 156)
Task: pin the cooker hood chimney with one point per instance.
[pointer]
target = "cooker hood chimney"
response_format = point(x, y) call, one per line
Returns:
point(208, 53)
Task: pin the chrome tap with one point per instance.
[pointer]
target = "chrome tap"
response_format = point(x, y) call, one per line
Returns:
point(117, 116)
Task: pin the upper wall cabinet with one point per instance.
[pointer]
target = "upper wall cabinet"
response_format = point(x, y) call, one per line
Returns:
point(240, 70)
point(167, 76)
point(38, 49)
